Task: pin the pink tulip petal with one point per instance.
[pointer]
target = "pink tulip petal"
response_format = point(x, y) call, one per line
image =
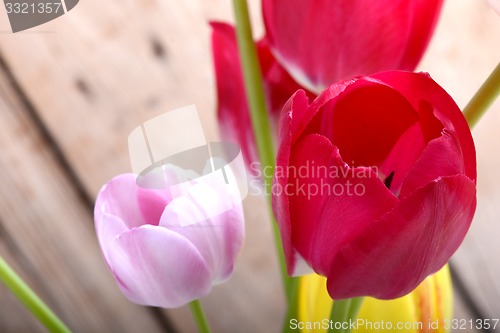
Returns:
point(134, 205)
point(157, 267)
point(218, 237)
point(107, 227)
point(337, 202)
point(418, 88)
point(495, 4)
point(322, 41)
point(415, 239)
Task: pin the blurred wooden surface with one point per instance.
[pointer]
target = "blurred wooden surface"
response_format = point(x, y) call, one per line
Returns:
point(71, 91)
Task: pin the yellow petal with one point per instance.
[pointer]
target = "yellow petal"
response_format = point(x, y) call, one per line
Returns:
point(423, 310)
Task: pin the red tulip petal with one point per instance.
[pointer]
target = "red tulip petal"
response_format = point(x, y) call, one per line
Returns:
point(356, 119)
point(440, 158)
point(402, 158)
point(232, 109)
point(424, 19)
point(292, 121)
point(409, 148)
point(233, 113)
point(329, 201)
point(419, 88)
point(415, 239)
point(321, 42)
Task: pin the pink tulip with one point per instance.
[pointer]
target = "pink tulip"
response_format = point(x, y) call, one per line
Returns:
point(375, 183)
point(233, 114)
point(162, 251)
point(495, 4)
point(320, 42)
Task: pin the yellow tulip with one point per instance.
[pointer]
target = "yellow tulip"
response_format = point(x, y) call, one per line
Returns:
point(426, 309)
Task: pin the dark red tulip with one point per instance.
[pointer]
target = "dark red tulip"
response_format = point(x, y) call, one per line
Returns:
point(375, 183)
point(320, 42)
point(232, 109)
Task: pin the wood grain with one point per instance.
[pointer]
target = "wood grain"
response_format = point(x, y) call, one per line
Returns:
point(46, 232)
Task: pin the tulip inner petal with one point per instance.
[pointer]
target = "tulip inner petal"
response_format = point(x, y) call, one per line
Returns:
point(365, 122)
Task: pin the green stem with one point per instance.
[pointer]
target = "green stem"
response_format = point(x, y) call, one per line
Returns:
point(30, 300)
point(483, 98)
point(293, 305)
point(199, 316)
point(354, 309)
point(344, 311)
point(339, 314)
point(258, 114)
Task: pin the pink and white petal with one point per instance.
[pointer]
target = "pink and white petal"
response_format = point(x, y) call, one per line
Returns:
point(420, 234)
point(213, 222)
point(107, 228)
point(495, 4)
point(134, 205)
point(335, 204)
point(157, 267)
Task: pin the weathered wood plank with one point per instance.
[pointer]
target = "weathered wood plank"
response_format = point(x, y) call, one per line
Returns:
point(48, 231)
point(102, 75)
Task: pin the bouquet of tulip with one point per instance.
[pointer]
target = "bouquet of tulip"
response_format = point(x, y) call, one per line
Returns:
point(369, 167)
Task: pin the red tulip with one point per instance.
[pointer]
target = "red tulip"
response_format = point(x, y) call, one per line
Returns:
point(375, 183)
point(323, 41)
point(233, 114)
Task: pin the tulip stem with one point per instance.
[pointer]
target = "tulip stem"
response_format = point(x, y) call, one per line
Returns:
point(30, 300)
point(483, 98)
point(199, 316)
point(260, 122)
point(343, 312)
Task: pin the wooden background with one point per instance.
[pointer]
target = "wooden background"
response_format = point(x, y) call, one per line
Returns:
point(71, 91)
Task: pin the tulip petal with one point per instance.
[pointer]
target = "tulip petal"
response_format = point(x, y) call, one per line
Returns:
point(418, 88)
point(441, 157)
point(421, 234)
point(157, 267)
point(335, 202)
point(293, 120)
point(107, 227)
point(232, 109)
point(355, 126)
point(132, 204)
point(320, 41)
point(203, 219)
